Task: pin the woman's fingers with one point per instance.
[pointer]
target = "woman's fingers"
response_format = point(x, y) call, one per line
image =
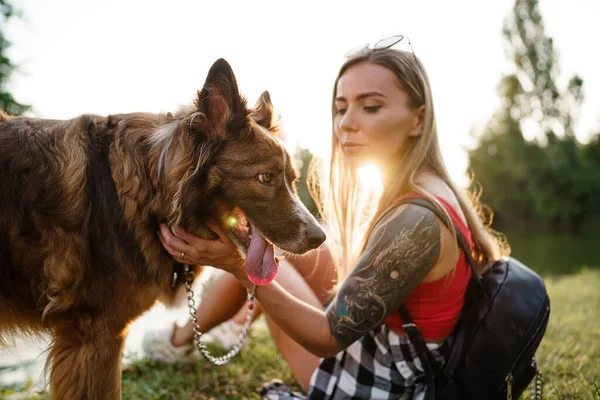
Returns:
point(164, 243)
point(172, 240)
point(174, 253)
point(221, 252)
point(216, 228)
point(175, 245)
point(181, 233)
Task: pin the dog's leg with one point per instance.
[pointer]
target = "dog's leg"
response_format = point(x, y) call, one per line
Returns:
point(85, 364)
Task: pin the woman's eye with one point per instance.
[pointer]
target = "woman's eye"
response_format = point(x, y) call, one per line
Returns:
point(371, 109)
point(265, 178)
point(340, 111)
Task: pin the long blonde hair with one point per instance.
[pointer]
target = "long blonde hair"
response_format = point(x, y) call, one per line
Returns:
point(342, 203)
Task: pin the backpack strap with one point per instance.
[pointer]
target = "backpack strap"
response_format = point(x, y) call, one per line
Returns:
point(430, 364)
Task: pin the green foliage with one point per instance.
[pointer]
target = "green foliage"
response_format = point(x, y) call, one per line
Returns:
point(591, 152)
point(550, 182)
point(303, 159)
point(7, 101)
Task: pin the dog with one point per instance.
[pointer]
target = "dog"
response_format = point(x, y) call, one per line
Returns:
point(80, 204)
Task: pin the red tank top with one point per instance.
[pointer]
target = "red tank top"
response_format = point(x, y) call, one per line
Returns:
point(435, 306)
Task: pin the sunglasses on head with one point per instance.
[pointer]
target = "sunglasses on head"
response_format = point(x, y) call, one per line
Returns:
point(381, 44)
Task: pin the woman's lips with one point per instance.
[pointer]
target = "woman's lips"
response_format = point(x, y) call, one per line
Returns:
point(350, 147)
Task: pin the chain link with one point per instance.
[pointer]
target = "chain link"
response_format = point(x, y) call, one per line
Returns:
point(536, 388)
point(188, 279)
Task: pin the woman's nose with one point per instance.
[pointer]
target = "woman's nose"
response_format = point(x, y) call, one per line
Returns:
point(348, 122)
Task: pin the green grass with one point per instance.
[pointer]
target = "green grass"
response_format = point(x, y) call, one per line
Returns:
point(569, 356)
point(241, 378)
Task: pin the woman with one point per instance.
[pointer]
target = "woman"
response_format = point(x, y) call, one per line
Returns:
point(355, 347)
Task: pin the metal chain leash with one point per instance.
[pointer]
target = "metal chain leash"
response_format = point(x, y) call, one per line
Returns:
point(536, 388)
point(188, 279)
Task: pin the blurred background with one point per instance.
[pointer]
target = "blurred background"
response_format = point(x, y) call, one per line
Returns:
point(516, 87)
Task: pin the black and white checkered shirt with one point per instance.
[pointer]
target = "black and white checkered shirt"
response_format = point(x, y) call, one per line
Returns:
point(381, 365)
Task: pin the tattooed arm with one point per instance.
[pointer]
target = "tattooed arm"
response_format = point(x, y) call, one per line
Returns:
point(404, 246)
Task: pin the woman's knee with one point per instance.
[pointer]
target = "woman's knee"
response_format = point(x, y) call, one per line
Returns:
point(319, 271)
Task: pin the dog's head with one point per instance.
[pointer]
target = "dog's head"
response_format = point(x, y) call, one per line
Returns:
point(244, 178)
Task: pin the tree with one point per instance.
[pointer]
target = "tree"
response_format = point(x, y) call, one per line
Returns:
point(592, 182)
point(545, 182)
point(537, 96)
point(303, 158)
point(7, 101)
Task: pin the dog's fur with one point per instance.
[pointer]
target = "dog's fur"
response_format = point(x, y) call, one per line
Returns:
point(80, 203)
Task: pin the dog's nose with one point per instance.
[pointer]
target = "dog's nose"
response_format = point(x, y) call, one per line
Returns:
point(316, 236)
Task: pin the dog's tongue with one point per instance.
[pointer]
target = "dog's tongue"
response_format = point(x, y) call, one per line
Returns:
point(260, 259)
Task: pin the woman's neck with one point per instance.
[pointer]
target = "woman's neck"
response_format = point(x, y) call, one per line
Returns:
point(389, 174)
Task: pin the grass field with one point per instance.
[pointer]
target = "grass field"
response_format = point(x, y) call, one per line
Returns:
point(569, 357)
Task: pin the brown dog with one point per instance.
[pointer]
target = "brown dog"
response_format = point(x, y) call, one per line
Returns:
point(80, 203)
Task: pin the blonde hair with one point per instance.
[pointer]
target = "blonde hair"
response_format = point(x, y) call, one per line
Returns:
point(342, 203)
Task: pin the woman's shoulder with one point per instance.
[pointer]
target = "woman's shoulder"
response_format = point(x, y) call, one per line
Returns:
point(440, 189)
point(449, 255)
point(406, 232)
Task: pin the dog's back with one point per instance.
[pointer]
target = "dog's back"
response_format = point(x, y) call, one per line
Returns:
point(30, 181)
point(61, 217)
point(69, 262)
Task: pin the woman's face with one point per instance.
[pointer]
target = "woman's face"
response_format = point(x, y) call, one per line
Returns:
point(372, 119)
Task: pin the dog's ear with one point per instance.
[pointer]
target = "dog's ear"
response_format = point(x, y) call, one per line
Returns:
point(221, 108)
point(264, 115)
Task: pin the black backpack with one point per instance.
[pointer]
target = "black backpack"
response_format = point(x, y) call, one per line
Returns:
point(492, 348)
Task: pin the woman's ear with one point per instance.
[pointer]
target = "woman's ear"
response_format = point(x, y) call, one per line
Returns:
point(418, 122)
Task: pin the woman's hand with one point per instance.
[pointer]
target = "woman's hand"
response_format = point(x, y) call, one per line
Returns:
point(188, 249)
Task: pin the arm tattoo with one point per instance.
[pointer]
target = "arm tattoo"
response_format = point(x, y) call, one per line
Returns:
point(404, 246)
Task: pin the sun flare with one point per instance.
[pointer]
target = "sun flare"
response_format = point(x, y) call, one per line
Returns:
point(370, 178)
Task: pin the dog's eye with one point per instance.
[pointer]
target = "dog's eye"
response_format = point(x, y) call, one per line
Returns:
point(265, 178)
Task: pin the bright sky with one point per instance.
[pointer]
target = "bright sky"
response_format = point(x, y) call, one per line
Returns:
point(117, 56)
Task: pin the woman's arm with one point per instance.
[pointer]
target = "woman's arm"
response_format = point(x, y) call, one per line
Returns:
point(404, 246)
point(303, 322)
